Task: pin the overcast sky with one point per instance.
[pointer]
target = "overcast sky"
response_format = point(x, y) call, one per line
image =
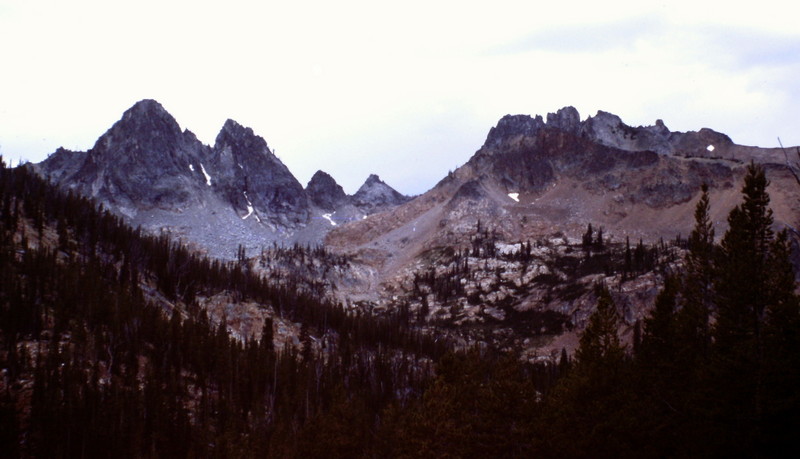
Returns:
point(407, 90)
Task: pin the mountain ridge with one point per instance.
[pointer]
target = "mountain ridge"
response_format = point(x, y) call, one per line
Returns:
point(162, 178)
point(532, 178)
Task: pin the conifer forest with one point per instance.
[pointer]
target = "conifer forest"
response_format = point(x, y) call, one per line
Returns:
point(105, 351)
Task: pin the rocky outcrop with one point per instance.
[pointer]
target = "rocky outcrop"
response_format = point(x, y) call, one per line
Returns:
point(642, 165)
point(511, 126)
point(566, 119)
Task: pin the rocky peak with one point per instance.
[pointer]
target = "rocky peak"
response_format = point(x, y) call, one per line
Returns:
point(145, 129)
point(241, 138)
point(324, 192)
point(146, 109)
point(373, 180)
point(248, 174)
point(374, 193)
point(140, 161)
point(238, 148)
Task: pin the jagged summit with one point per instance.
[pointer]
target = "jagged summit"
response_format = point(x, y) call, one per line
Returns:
point(237, 192)
point(372, 180)
point(232, 131)
point(513, 125)
point(608, 129)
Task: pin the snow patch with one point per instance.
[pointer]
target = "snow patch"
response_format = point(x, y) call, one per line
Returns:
point(191, 168)
point(208, 177)
point(328, 217)
point(710, 148)
point(250, 208)
point(514, 196)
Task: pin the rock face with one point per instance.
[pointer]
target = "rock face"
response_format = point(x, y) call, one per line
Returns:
point(236, 192)
point(325, 193)
point(249, 175)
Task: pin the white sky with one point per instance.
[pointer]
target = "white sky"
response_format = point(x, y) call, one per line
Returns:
point(407, 90)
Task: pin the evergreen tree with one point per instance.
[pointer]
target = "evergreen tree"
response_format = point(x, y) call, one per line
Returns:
point(693, 333)
point(659, 342)
point(589, 414)
point(752, 285)
point(599, 343)
point(742, 282)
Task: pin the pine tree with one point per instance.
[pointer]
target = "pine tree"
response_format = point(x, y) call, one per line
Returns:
point(658, 342)
point(589, 413)
point(782, 358)
point(599, 343)
point(698, 285)
point(753, 286)
point(588, 237)
point(742, 281)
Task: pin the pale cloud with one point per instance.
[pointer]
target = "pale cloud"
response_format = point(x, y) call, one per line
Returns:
point(585, 38)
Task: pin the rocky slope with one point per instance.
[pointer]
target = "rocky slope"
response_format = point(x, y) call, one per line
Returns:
point(236, 192)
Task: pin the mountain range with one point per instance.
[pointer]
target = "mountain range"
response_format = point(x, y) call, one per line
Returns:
point(531, 175)
point(535, 186)
point(236, 192)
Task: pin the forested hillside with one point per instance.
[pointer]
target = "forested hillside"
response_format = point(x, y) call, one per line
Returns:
point(106, 352)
